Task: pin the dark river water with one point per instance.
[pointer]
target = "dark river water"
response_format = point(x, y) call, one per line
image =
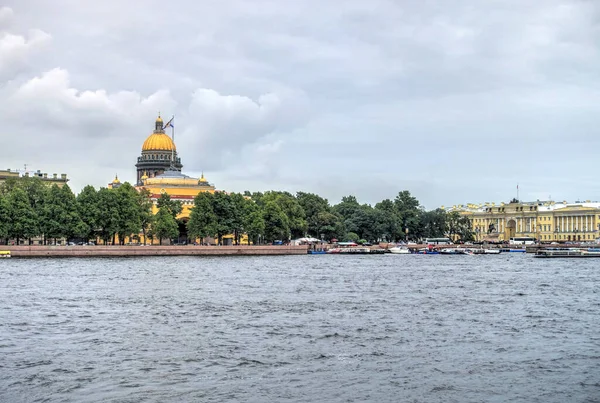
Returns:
point(300, 329)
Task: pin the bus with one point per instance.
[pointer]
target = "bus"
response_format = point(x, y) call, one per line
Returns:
point(524, 240)
point(437, 241)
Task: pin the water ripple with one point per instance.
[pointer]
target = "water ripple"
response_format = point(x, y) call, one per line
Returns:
point(300, 328)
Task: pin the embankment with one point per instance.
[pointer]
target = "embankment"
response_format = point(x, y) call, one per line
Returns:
point(126, 251)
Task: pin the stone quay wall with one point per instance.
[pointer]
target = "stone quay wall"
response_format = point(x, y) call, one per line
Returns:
point(126, 251)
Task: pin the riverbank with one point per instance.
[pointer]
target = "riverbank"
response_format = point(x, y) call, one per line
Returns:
point(125, 251)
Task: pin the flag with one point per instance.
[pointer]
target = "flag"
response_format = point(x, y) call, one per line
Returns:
point(170, 123)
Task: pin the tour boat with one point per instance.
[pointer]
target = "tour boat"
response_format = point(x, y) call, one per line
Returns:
point(4, 253)
point(570, 252)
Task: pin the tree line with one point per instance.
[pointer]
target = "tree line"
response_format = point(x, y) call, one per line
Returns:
point(31, 210)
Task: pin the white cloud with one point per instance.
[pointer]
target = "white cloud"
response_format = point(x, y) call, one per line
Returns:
point(15, 49)
point(218, 128)
point(308, 94)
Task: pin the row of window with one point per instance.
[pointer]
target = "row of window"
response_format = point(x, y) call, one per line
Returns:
point(541, 218)
point(150, 157)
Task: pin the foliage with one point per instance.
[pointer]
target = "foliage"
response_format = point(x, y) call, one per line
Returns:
point(351, 237)
point(4, 217)
point(165, 225)
point(276, 222)
point(291, 209)
point(144, 201)
point(23, 220)
point(173, 206)
point(28, 208)
point(203, 220)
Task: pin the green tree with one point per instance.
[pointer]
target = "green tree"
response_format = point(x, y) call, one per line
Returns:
point(351, 237)
point(329, 225)
point(434, 223)
point(254, 221)
point(223, 210)
point(202, 221)
point(108, 218)
point(459, 227)
point(296, 218)
point(89, 210)
point(314, 206)
point(4, 217)
point(238, 203)
point(23, 221)
point(144, 200)
point(165, 225)
point(129, 220)
point(74, 227)
point(53, 215)
point(173, 206)
point(409, 211)
point(347, 207)
point(389, 223)
point(276, 222)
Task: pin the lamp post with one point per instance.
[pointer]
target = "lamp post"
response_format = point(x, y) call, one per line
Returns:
point(406, 232)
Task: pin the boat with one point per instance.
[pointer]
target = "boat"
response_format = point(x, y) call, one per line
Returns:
point(426, 251)
point(486, 251)
point(455, 251)
point(398, 250)
point(567, 253)
point(350, 251)
point(4, 253)
point(317, 252)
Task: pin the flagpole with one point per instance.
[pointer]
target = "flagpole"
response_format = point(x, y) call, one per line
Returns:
point(173, 149)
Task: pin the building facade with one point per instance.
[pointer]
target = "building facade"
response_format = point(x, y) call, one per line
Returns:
point(60, 181)
point(547, 221)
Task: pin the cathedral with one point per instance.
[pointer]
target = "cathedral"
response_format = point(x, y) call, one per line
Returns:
point(159, 154)
point(159, 171)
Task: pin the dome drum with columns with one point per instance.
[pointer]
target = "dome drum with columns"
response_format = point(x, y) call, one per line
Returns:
point(157, 153)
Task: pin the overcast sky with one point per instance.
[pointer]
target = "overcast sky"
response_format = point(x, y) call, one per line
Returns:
point(456, 101)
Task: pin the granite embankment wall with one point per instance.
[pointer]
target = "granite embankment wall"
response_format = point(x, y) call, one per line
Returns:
point(119, 251)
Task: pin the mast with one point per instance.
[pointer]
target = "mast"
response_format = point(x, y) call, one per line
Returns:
point(173, 148)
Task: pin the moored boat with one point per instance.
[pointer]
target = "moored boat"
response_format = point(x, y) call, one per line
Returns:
point(398, 250)
point(567, 253)
point(4, 253)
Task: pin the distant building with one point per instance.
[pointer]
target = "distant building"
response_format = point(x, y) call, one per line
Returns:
point(49, 180)
point(547, 221)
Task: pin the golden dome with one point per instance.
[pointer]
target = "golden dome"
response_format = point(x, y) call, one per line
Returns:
point(159, 142)
point(116, 180)
point(202, 178)
point(159, 119)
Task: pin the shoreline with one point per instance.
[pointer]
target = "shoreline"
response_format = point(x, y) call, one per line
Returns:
point(154, 250)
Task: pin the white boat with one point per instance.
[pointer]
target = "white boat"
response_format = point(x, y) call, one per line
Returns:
point(491, 251)
point(398, 250)
point(4, 253)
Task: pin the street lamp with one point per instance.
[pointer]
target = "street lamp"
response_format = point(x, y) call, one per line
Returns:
point(406, 232)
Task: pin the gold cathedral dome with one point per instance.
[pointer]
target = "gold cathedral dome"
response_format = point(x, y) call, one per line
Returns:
point(159, 141)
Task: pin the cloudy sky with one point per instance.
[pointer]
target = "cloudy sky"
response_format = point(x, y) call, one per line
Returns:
point(456, 101)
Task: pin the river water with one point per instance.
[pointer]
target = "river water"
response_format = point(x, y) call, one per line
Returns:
point(300, 329)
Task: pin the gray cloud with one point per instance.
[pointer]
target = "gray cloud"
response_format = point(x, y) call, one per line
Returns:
point(455, 103)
